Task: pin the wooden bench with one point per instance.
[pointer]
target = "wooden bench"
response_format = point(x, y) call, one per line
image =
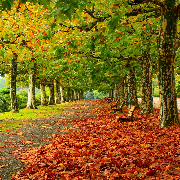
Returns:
point(114, 104)
point(129, 117)
point(119, 107)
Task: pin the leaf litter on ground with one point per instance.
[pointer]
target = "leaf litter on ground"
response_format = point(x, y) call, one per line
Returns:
point(105, 148)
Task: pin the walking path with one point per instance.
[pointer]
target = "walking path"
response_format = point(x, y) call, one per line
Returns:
point(38, 133)
point(156, 102)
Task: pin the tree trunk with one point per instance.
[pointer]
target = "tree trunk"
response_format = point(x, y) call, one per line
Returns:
point(166, 57)
point(75, 95)
point(31, 104)
point(110, 93)
point(68, 94)
point(126, 91)
point(43, 94)
point(14, 106)
point(78, 95)
point(132, 88)
point(115, 92)
point(58, 101)
point(146, 77)
point(51, 93)
point(121, 90)
point(62, 94)
point(81, 94)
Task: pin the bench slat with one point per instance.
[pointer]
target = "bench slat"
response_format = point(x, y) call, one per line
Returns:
point(129, 117)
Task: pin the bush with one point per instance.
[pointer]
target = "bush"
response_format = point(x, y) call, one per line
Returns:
point(21, 101)
point(23, 93)
point(5, 93)
point(38, 98)
point(3, 104)
point(5, 90)
point(22, 98)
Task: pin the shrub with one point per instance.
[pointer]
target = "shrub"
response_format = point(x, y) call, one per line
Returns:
point(38, 98)
point(22, 98)
point(5, 93)
point(21, 101)
point(3, 104)
point(23, 92)
point(5, 90)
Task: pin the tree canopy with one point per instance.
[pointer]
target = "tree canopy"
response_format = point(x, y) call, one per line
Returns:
point(93, 44)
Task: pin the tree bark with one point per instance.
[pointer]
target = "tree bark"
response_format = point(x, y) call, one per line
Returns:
point(62, 94)
point(166, 57)
point(116, 94)
point(78, 95)
point(31, 104)
point(121, 90)
point(68, 94)
point(110, 93)
point(51, 93)
point(43, 93)
point(58, 101)
point(75, 95)
point(14, 106)
point(126, 91)
point(146, 77)
point(71, 95)
point(132, 88)
point(81, 94)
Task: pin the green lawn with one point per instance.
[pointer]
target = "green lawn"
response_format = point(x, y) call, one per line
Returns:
point(25, 114)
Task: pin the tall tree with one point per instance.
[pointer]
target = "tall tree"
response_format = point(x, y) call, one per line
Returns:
point(166, 56)
point(31, 103)
point(14, 106)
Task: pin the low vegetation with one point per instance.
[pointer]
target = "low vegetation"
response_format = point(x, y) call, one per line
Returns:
point(9, 120)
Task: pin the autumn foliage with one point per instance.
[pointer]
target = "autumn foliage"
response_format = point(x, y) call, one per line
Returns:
point(100, 147)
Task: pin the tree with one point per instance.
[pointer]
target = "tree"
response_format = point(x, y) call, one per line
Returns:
point(166, 56)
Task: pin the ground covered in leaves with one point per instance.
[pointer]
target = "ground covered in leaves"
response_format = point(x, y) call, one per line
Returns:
point(36, 133)
point(106, 148)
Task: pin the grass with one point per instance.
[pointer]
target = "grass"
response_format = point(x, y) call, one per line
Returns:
point(9, 120)
point(5, 126)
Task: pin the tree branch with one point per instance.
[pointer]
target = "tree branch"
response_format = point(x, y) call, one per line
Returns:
point(140, 11)
point(156, 2)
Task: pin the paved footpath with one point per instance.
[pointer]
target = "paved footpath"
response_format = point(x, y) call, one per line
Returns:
point(38, 133)
point(157, 105)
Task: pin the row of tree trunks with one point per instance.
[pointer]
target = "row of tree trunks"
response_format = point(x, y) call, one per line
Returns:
point(74, 95)
point(126, 89)
point(31, 103)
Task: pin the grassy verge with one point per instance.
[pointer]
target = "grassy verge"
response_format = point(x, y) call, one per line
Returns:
point(5, 126)
point(17, 119)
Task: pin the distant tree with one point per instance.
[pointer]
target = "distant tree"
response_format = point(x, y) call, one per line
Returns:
point(88, 95)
